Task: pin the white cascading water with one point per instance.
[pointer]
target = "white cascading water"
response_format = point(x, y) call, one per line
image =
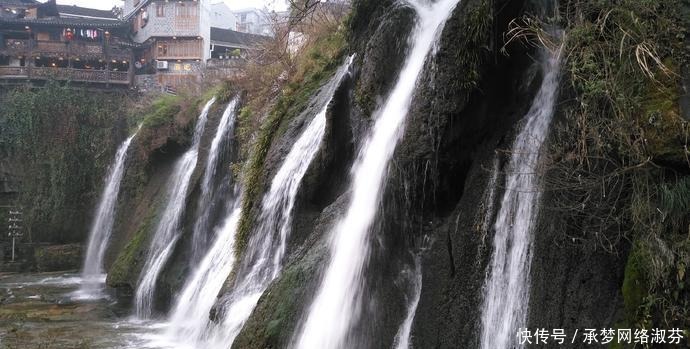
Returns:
point(191, 313)
point(267, 245)
point(201, 226)
point(168, 230)
point(402, 338)
point(93, 274)
point(337, 303)
point(486, 217)
point(506, 292)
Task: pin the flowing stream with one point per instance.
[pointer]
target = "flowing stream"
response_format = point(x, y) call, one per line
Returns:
point(168, 230)
point(206, 199)
point(506, 296)
point(93, 274)
point(264, 255)
point(336, 305)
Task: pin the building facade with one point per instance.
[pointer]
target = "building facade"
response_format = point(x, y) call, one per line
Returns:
point(253, 21)
point(43, 41)
point(162, 44)
point(180, 40)
point(222, 17)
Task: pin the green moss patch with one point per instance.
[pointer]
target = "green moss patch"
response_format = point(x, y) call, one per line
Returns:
point(635, 284)
point(125, 270)
point(60, 140)
point(162, 111)
point(322, 60)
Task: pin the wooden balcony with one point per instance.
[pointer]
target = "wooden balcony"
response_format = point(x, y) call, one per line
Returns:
point(179, 49)
point(73, 49)
point(14, 72)
point(15, 47)
point(67, 74)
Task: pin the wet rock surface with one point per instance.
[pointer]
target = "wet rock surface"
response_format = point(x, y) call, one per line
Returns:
point(39, 311)
point(58, 257)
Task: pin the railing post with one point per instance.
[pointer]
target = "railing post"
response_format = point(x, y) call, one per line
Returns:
point(69, 54)
point(130, 72)
point(106, 51)
point(29, 61)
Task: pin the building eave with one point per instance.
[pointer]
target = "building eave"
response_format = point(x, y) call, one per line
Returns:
point(65, 22)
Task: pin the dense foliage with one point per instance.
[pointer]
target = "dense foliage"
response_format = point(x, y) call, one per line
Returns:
point(61, 140)
point(620, 160)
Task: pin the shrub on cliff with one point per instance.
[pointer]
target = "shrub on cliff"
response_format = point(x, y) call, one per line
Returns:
point(620, 159)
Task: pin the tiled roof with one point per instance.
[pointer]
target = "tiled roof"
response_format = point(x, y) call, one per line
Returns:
point(134, 11)
point(17, 2)
point(235, 37)
point(84, 12)
point(69, 22)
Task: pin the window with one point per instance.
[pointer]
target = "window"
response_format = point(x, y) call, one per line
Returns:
point(186, 16)
point(144, 18)
point(162, 49)
point(160, 10)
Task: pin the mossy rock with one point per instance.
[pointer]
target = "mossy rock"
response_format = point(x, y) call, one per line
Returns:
point(635, 283)
point(58, 257)
point(60, 140)
point(321, 62)
point(270, 326)
point(163, 111)
point(125, 270)
point(666, 132)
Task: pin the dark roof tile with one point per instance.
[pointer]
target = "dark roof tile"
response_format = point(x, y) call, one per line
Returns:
point(235, 37)
point(85, 12)
point(18, 2)
point(70, 22)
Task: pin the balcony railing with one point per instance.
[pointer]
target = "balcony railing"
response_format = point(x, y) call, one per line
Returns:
point(78, 75)
point(84, 49)
point(16, 46)
point(13, 72)
point(51, 47)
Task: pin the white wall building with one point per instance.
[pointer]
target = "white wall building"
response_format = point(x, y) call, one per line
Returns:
point(222, 17)
point(253, 21)
point(181, 29)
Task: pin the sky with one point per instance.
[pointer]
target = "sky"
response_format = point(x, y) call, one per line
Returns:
point(278, 5)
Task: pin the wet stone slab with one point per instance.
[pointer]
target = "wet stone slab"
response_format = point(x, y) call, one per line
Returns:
point(38, 311)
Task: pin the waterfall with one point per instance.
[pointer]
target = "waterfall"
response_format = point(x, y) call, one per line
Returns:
point(191, 313)
point(402, 338)
point(93, 274)
point(506, 290)
point(168, 230)
point(264, 255)
point(486, 211)
point(336, 305)
point(206, 199)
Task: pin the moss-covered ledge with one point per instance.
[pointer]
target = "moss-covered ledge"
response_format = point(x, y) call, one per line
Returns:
point(320, 62)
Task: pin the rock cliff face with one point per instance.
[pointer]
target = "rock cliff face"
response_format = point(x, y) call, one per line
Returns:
point(464, 117)
point(466, 103)
point(55, 146)
point(439, 203)
point(153, 155)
